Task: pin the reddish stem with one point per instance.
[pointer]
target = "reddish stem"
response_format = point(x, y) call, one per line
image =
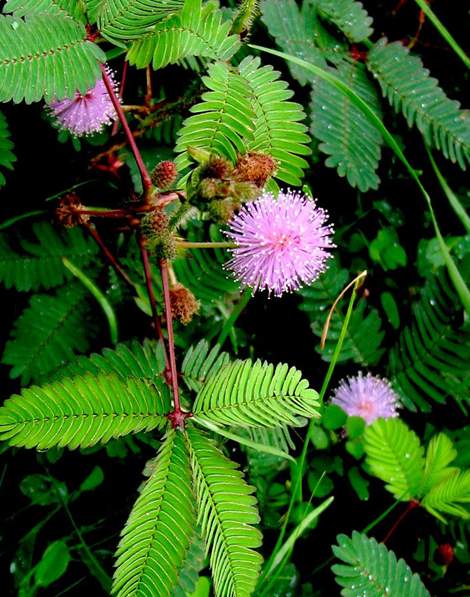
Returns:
point(146, 181)
point(108, 254)
point(121, 93)
point(411, 506)
point(177, 417)
point(153, 303)
point(110, 213)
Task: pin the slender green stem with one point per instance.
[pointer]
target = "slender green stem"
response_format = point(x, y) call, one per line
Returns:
point(186, 244)
point(286, 549)
point(451, 196)
point(225, 331)
point(443, 31)
point(298, 471)
point(99, 296)
point(461, 287)
point(15, 219)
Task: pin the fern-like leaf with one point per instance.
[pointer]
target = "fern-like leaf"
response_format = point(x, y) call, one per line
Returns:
point(157, 535)
point(141, 360)
point(256, 394)
point(430, 360)
point(364, 336)
point(45, 56)
point(410, 89)
point(439, 453)
point(370, 568)
point(277, 128)
point(226, 513)
point(449, 496)
point(130, 19)
point(395, 455)
point(201, 362)
point(222, 121)
point(349, 16)
point(7, 157)
point(40, 265)
point(293, 32)
point(196, 31)
point(48, 334)
point(345, 134)
point(81, 412)
point(23, 8)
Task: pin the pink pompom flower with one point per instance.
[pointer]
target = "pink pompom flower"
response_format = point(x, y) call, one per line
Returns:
point(369, 397)
point(85, 113)
point(281, 243)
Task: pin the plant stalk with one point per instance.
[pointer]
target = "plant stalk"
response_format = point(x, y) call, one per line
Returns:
point(145, 176)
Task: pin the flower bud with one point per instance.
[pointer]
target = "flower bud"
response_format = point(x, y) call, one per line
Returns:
point(217, 168)
point(183, 303)
point(255, 167)
point(164, 174)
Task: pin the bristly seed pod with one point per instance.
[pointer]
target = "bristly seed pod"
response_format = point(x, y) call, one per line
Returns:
point(68, 211)
point(255, 167)
point(155, 223)
point(183, 303)
point(217, 167)
point(164, 174)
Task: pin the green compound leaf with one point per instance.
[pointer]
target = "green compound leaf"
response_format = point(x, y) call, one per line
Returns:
point(201, 362)
point(196, 31)
point(372, 569)
point(346, 135)
point(277, 127)
point(451, 495)
point(45, 56)
point(256, 394)
point(141, 360)
point(22, 8)
point(395, 455)
point(40, 264)
point(293, 31)
point(429, 363)
point(226, 513)
point(410, 89)
point(157, 536)
point(349, 16)
point(222, 121)
point(81, 412)
point(7, 157)
point(130, 19)
point(48, 334)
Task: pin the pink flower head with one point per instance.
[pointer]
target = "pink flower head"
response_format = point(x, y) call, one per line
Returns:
point(369, 397)
point(85, 113)
point(281, 243)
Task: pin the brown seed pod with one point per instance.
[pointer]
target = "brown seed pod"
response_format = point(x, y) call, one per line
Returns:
point(255, 167)
point(183, 303)
point(68, 213)
point(164, 174)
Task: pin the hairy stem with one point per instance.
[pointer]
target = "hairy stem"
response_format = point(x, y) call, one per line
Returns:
point(177, 412)
point(146, 181)
point(153, 303)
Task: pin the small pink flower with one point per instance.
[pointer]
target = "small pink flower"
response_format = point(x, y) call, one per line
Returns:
point(369, 397)
point(85, 113)
point(281, 242)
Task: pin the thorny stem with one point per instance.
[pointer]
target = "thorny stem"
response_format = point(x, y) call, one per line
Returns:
point(108, 254)
point(412, 505)
point(153, 303)
point(177, 417)
point(146, 181)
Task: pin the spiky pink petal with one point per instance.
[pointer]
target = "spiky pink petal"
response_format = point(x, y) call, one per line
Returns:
point(85, 113)
point(282, 243)
point(369, 397)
